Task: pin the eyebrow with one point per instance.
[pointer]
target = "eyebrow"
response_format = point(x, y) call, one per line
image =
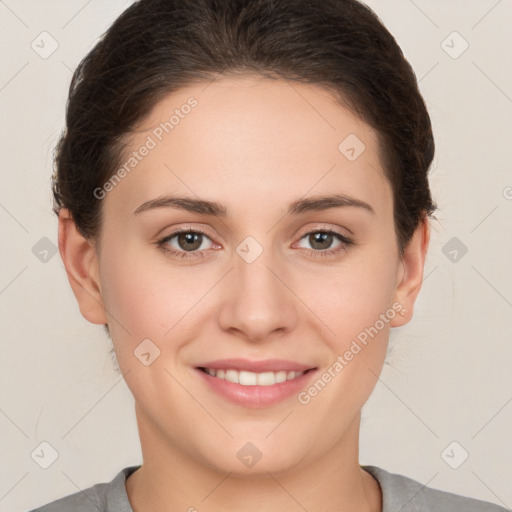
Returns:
point(214, 209)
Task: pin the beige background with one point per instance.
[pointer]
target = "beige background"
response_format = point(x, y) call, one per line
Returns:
point(448, 377)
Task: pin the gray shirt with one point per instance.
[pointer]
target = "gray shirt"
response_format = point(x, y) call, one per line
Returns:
point(399, 493)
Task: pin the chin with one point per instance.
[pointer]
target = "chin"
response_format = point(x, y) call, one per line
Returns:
point(245, 458)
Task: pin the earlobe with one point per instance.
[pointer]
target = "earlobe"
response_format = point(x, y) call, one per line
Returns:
point(410, 275)
point(81, 263)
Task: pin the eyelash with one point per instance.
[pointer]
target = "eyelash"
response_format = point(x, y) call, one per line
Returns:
point(346, 243)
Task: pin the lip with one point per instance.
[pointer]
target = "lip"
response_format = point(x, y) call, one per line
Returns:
point(266, 365)
point(256, 397)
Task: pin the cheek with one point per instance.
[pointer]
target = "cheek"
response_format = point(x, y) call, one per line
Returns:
point(358, 308)
point(147, 298)
point(355, 302)
point(351, 297)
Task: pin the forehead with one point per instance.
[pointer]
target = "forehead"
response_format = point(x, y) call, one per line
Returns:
point(251, 138)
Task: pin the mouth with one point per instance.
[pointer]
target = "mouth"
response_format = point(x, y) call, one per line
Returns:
point(255, 384)
point(246, 378)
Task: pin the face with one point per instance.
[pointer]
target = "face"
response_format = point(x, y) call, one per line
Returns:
point(272, 281)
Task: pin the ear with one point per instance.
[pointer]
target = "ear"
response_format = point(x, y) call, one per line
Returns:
point(410, 273)
point(81, 263)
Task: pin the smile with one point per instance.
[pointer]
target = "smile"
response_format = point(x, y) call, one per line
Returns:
point(255, 384)
point(246, 378)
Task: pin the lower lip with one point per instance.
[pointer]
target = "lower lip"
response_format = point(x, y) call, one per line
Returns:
point(256, 396)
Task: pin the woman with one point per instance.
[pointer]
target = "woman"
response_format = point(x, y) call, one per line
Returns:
point(243, 202)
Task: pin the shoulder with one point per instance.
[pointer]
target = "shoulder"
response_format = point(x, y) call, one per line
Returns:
point(103, 497)
point(407, 495)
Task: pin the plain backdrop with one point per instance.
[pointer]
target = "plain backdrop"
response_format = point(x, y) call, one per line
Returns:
point(446, 391)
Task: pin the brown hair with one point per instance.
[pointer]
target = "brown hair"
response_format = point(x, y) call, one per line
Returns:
point(158, 46)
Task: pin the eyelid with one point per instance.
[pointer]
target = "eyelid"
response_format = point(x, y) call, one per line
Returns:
point(325, 227)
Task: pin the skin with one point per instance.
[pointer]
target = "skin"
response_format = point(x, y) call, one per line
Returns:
point(253, 145)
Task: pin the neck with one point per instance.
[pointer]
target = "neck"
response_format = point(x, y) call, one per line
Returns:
point(170, 479)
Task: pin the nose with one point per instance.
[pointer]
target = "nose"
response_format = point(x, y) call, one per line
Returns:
point(257, 302)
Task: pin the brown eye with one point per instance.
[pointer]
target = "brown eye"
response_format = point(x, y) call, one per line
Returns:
point(321, 242)
point(184, 243)
point(189, 241)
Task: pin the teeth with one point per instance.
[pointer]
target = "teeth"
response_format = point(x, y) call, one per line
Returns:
point(247, 378)
point(280, 376)
point(266, 378)
point(231, 376)
point(253, 379)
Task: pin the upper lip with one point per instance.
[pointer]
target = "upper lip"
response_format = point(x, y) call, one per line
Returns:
point(266, 365)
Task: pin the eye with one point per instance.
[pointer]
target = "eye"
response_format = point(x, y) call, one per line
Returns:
point(321, 241)
point(187, 241)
